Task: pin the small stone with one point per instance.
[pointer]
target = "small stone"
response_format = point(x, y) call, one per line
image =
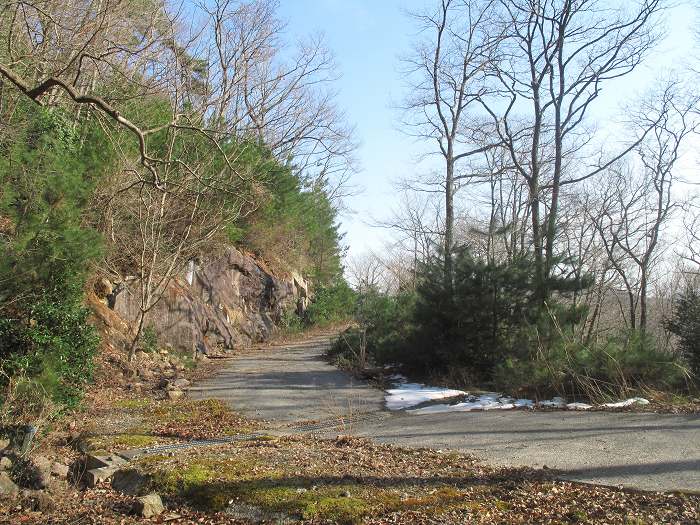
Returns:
point(60, 470)
point(130, 482)
point(97, 475)
point(181, 383)
point(7, 486)
point(4, 443)
point(173, 395)
point(145, 373)
point(149, 506)
point(40, 501)
point(42, 472)
point(5, 463)
point(345, 494)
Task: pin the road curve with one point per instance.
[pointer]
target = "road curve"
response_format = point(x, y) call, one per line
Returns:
point(291, 383)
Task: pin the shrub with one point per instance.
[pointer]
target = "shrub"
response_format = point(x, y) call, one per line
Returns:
point(387, 321)
point(149, 340)
point(473, 324)
point(685, 325)
point(53, 348)
point(47, 177)
point(619, 366)
point(333, 303)
point(291, 323)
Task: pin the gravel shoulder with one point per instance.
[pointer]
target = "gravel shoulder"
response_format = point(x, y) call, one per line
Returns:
point(292, 382)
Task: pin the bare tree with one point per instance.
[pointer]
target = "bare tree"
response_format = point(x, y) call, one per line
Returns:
point(691, 225)
point(553, 60)
point(447, 77)
point(637, 203)
point(260, 88)
point(418, 227)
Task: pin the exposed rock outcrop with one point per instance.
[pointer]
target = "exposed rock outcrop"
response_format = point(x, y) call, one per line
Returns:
point(226, 303)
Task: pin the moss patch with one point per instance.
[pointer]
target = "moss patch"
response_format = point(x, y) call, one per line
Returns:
point(154, 422)
point(349, 481)
point(134, 441)
point(279, 478)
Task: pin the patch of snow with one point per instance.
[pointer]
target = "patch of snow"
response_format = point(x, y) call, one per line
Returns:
point(491, 401)
point(412, 394)
point(579, 406)
point(405, 396)
point(556, 402)
point(627, 402)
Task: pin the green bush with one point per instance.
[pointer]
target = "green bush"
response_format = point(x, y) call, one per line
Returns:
point(473, 324)
point(47, 178)
point(53, 348)
point(490, 330)
point(685, 325)
point(388, 324)
point(149, 340)
point(333, 303)
point(621, 365)
point(291, 323)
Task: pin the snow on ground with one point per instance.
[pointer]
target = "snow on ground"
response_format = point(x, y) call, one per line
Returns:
point(411, 394)
point(482, 402)
point(628, 402)
point(406, 395)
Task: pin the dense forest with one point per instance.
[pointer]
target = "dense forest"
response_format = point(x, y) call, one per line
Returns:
point(132, 143)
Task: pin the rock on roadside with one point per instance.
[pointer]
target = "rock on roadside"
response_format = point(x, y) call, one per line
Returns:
point(39, 501)
point(174, 395)
point(149, 506)
point(7, 486)
point(130, 482)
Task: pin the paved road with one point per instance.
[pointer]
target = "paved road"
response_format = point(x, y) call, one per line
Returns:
point(293, 383)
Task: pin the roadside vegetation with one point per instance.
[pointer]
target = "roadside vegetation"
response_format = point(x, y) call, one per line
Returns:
point(157, 162)
point(140, 137)
point(543, 253)
point(491, 336)
point(316, 479)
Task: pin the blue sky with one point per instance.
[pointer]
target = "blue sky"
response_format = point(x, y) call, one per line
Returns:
point(367, 39)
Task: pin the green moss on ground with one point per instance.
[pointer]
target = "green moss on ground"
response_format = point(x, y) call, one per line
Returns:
point(154, 422)
point(211, 482)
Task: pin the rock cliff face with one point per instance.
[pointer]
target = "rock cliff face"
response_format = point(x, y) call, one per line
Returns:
point(226, 303)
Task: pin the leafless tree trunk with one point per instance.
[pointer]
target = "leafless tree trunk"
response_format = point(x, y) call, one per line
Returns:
point(447, 76)
point(553, 60)
point(638, 202)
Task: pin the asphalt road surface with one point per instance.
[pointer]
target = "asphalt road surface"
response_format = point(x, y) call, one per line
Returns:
point(293, 383)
